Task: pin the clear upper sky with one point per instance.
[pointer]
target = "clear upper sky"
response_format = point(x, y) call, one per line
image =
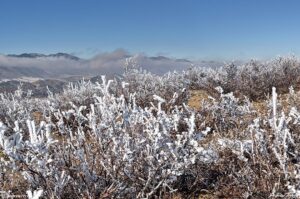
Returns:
point(205, 29)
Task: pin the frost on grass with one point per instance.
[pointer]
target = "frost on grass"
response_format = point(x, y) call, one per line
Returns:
point(137, 138)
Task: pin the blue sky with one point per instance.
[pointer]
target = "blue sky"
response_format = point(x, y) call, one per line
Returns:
point(195, 29)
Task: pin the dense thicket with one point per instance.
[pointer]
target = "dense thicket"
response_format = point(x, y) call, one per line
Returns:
point(136, 137)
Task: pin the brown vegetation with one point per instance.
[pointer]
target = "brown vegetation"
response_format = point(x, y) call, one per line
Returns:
point(246, 143)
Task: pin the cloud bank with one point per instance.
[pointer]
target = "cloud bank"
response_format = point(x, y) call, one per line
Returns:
point(105, 63)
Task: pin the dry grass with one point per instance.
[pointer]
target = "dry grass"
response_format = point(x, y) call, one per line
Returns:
point(229, 178)
point(261, 107)
point(197, 97)
point(208, 196)
point(37, 117)
point(3, 155)
point(201, 196)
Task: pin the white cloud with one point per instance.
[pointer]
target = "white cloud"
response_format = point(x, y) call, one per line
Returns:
point(103, 63)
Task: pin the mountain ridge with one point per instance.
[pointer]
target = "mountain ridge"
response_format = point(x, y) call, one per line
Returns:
point(39, 55)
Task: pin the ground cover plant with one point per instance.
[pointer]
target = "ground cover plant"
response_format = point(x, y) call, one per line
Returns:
point(139, 136)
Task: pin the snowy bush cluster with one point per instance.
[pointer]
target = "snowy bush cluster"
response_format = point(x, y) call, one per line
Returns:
point(253, 79)
point(136, 137)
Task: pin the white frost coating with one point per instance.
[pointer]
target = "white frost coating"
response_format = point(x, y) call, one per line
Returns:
point(156, 97)
point(36, 194)
point(109, 141)
point(274, 103)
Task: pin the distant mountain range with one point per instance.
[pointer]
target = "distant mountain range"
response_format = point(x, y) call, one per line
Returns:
point(63, 64)
point(37, 70)
point(11, 72)
point(38, 55)
point(163, 58)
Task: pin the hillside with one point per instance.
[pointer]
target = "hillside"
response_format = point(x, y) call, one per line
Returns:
point(60, 65)
point(229, 132)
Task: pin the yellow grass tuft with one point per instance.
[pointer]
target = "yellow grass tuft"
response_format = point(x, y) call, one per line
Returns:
point(197, 96)
point(37, 116)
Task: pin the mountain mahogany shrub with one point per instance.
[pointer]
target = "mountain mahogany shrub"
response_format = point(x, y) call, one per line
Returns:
point(116, 149)
point(18, 106)
point(79, 93)
point(142, 83)
point(261, 77)
point(145, 85)
point(263, 161)
point(200, 77)
point(96, 140)
point(253, 79)
point(226, 115)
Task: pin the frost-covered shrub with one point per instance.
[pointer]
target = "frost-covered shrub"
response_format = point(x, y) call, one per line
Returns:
point(264, 159)
point(113, 144)
point(253, 79)
point(136, 137)
point(145, 85)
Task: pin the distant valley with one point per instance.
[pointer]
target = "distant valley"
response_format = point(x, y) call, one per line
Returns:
point(37, 71)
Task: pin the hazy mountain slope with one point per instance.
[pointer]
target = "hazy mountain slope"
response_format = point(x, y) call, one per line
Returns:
point(10, 72)
point(62, 64)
